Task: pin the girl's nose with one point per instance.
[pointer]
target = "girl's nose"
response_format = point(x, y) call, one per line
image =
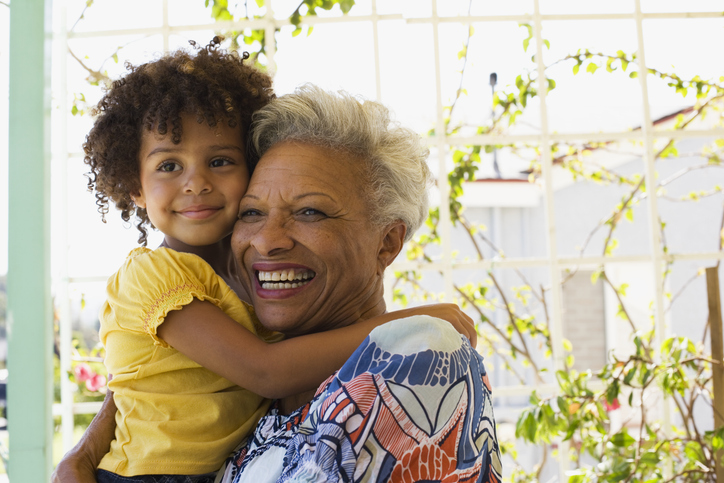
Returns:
point(197, 182)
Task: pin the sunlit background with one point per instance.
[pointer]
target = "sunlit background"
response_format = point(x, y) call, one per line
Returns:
point(420, 57)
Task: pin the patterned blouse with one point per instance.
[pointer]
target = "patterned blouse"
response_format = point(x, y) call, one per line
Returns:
point(412, 403)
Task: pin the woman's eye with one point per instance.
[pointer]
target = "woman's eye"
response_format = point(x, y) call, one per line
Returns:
point(219, 162)
point(169, 166)
point(248, 214)
point(312, 212)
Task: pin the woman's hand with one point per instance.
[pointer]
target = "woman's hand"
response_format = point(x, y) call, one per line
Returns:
point(80, 463)
point(449, 312)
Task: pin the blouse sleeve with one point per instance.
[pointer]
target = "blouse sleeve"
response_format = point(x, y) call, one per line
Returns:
point(412, 403)
point(152, 283)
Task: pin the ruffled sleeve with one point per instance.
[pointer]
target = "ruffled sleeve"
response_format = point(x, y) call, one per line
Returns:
point(152, 283)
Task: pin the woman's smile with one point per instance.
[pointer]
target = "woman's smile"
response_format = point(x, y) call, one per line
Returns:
point(272, 283)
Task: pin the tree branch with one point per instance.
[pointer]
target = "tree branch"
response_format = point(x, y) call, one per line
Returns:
point(465, 63)
point(620, 300)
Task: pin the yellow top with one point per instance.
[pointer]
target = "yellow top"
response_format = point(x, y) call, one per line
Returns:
point(174, 416)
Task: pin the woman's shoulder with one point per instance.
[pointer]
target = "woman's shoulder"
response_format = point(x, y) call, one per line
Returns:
point(417, 333)
point(418, 350)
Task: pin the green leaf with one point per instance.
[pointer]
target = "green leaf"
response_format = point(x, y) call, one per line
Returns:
point(609, 67)
point(259, 3)
point(575, 68)
point(622, 439)
point(650, 458)
point(547, 44)
point(346, 5)
point(115, 57)
point(694, 452)
point(717, 440)
point(633, 75)
point(526, 42)
point(591, 68)
point(562, 406)
point(296, 19)
point(595, 275)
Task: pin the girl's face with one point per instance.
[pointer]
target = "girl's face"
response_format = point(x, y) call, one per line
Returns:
point(191, 190)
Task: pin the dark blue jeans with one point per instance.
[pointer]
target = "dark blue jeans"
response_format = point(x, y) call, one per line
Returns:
point(104, 476)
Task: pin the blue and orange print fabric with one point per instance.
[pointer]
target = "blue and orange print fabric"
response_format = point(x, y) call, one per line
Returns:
point(413, 403)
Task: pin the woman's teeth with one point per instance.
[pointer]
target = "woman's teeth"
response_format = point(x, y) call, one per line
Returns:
point(290, 278)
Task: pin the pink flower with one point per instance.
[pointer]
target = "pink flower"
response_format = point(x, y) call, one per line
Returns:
point(83, 372)
point(95, 382)
point(613, 405)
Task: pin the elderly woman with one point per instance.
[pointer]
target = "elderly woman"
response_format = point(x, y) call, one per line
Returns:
point(336, 192)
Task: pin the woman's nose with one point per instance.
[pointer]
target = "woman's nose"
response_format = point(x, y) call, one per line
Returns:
point(273, 236)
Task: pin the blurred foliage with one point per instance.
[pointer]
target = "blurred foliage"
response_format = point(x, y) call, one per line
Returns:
point(642, 449)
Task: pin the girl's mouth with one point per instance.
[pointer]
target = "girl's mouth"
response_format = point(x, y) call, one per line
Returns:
point(284, 279)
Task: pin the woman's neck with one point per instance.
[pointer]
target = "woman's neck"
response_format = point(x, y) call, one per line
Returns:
point(219, 256)
point(373, 306)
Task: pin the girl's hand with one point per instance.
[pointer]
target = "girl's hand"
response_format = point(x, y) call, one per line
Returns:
point(449, 312)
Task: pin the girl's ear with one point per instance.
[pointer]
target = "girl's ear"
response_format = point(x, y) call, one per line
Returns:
point(392, 242)
point(139, 199)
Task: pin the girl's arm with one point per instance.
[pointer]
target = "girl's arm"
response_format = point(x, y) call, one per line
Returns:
point(205, 334)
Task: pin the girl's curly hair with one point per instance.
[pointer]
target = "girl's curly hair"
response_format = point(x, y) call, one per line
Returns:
point(210, 83)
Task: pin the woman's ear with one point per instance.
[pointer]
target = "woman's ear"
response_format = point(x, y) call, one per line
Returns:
point(392, 242)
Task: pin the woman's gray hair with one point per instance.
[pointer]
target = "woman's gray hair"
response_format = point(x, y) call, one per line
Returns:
point(395, 157)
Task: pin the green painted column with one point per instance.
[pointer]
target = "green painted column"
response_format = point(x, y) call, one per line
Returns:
point(29, 314)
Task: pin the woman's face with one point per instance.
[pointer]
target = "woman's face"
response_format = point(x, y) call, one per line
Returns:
point(311, 258)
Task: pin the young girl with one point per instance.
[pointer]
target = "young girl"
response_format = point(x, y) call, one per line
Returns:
point(168, 147)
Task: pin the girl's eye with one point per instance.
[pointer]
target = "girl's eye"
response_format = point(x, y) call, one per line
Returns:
point(169, 166)
point(219, 162)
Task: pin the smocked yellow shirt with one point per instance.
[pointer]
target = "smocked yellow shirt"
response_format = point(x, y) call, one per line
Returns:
point(174, 416)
